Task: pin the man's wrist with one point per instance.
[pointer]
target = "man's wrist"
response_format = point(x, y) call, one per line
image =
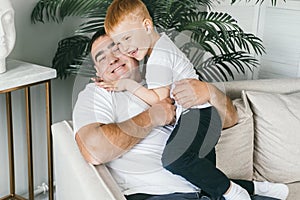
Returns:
point(212, 93)
point(138, 126)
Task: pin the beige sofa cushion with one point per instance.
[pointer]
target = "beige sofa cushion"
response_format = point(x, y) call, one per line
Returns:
point(277, 136)
point(235, 147)
point(294, 191)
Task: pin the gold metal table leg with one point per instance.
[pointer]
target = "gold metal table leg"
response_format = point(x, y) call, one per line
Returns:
point(12, 195)
point(49, 140)
point(10, 143)
point(29, 144)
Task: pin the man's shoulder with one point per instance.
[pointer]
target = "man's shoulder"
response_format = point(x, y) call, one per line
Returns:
point(92, 90)
point(91, 97)
point(90, 87)
point(93, 104)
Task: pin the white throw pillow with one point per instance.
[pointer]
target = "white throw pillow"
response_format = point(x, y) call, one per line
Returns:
point(234, 150)
point(277, 136)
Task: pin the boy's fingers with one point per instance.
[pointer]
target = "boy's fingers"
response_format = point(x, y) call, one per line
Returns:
point(96, 79)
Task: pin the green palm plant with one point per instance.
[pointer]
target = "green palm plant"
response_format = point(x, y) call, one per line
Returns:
point(218, 34)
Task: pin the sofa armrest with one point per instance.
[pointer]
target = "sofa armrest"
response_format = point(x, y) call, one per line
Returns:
point(75, 178)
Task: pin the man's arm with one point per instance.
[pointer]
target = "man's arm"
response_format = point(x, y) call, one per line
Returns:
point(224, 106)
point(191, 92)
point(101, 143)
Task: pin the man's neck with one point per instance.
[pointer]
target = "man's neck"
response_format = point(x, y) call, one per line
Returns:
point(137, 76)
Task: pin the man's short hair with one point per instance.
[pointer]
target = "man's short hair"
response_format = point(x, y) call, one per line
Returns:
point(119, 9)
point(100, 32)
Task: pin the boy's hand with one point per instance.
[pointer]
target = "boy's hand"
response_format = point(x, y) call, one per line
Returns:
point(119, 85)
point(109, 86)
point(191, 92)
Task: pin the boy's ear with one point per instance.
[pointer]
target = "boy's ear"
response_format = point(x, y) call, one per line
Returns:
point(147, 24)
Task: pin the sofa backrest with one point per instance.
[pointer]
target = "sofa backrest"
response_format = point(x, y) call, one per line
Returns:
point(268, 112)
point(233, 88)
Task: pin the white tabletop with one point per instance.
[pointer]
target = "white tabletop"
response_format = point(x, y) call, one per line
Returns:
point(21, 73)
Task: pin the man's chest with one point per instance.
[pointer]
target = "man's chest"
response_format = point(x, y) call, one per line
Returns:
point(127, 106)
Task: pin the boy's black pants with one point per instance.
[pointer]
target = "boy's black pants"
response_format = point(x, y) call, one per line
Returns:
point(190, 152)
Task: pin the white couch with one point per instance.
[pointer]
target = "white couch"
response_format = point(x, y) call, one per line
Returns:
point(251, 149)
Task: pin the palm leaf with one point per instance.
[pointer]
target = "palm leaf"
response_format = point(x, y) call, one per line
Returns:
point(221, 31)
point(45, 10)
point(221, 66)
point(96, 21)
point(216, 33)
point(57, 10)
point(86, 68)
point(273, 2)
point(69, 49)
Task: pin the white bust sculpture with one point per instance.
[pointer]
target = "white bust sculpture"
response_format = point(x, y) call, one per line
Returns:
point(7, 32)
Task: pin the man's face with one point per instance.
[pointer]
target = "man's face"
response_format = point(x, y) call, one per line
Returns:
point(132, 37)
point(110, 63)
point(7, 29)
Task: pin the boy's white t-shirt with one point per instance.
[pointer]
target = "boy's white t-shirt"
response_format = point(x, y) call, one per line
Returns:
point(140, 170)
point(167, 64)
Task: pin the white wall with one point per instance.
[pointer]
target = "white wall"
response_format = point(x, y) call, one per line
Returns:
point(279, 28)
point(35, 43)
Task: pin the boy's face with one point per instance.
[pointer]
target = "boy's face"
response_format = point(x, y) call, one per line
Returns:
point(110, 64)
point(132, 37)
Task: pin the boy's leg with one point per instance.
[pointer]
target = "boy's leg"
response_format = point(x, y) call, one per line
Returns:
point(138, 196)
point(180, 196)
point(248, 185)
point(202, 173)
point(211, 156)
point(257, 197)
point(173, 196)
point(183, 151)
point(198, 130)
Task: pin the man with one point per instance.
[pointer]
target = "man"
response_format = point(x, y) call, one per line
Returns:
point(125, 122)
point(121, 130)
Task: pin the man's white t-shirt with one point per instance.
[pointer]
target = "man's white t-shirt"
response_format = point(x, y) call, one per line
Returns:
point(139, 170)
point(167, 64)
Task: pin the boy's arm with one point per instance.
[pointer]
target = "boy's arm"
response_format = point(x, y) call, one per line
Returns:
point(150, 96)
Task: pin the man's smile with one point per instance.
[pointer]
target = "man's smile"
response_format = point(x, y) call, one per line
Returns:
point(118, 68)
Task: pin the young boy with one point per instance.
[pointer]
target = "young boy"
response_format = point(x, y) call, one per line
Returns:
point(129, 24)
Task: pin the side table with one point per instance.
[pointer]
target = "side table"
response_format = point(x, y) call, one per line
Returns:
point(23, 75)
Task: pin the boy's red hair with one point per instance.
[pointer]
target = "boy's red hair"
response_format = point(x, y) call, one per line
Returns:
point(119, 9)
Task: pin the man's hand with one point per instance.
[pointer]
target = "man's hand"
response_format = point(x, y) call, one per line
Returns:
point(163, 112)
point(191, 92)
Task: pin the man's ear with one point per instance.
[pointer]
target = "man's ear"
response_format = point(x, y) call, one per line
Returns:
point(147, 23)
